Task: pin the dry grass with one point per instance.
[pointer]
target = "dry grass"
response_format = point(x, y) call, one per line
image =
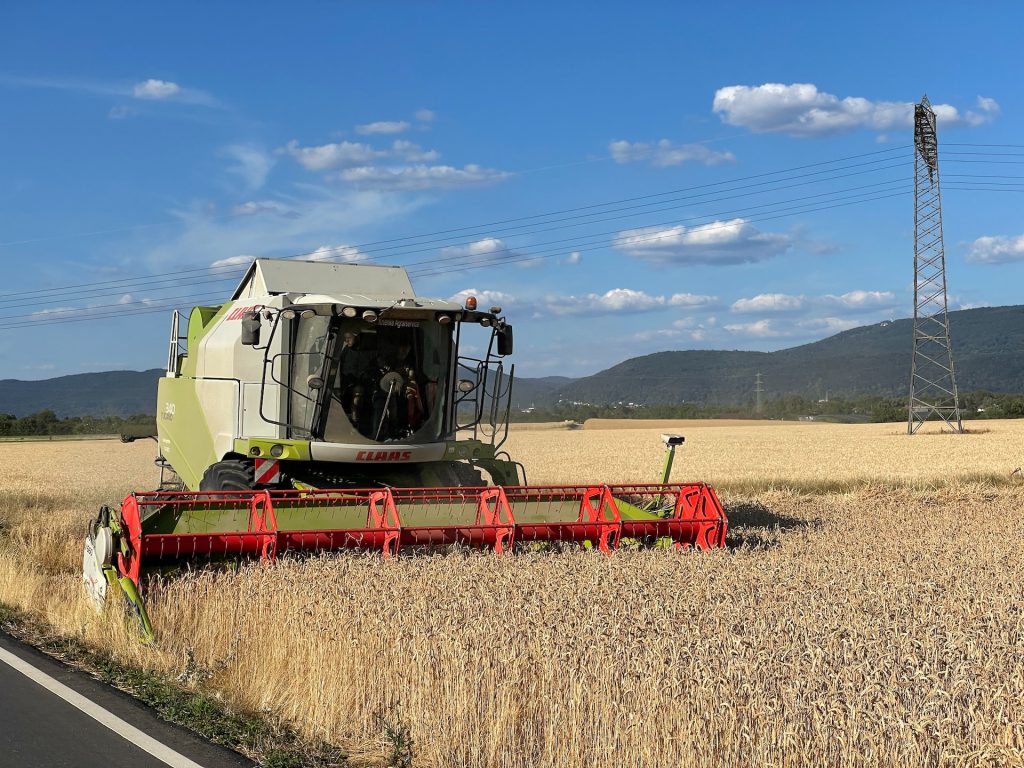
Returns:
point(878, 625)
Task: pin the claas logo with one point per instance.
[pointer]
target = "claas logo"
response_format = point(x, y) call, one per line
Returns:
point(236, 314)
point(383, 455)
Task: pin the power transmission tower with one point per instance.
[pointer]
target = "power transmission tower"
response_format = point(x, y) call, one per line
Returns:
point(758, 392)
point(933, 389)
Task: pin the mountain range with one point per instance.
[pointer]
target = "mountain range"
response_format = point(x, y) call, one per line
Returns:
point(988, 345)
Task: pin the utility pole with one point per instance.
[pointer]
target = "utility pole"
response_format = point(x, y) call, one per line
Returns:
point(758, 392)
point(933, 389)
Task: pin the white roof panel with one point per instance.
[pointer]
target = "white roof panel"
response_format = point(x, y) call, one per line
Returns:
point(276, 276)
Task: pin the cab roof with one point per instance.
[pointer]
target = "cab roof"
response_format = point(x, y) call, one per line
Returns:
point(276, 276)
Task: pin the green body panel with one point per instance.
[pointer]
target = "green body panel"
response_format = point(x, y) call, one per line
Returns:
point(501, 472)
point(200, 321)
point(186, 441)
point(292, 450)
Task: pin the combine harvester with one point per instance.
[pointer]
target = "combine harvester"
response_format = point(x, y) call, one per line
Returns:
point(326, 406)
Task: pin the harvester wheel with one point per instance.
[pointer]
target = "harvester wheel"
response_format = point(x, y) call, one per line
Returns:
point(228, 475)
point(463, 475)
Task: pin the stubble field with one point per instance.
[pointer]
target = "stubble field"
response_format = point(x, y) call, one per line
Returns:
point(868, 610)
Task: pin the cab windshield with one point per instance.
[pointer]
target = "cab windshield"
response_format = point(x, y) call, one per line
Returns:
point(379, 382)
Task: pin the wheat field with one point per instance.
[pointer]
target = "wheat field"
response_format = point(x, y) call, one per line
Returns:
point(867, 612)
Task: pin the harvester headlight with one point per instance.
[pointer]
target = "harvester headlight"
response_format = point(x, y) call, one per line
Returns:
point(495, 310)
point(255, 451)
point(314, 382)
point(350, 311)
point(370, 316)
point(485, 322)
point(444, 319)
point(276, 450)
point(307, 313)
point(466, 385)
point(471, 302)
point(289, 314)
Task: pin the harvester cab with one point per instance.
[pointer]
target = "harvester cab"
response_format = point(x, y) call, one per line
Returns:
point(326, 406)
point(330, 375)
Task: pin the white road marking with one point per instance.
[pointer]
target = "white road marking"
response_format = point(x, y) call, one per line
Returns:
point(125, 730)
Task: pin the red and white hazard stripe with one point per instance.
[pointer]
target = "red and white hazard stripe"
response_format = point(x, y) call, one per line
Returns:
point(267, 471)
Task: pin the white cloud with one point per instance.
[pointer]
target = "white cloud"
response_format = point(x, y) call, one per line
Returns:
point(383, 126)
point(413, 153)
point(853, 301)
point(483, 251)
point(256, 207)
point(420, 177)
point(720, 242)
point(573, 258)
point(146, 90)
point(769, 302)
point(155, 89)
point(425, 115)
point(664, 153)
point(617, 300)
point(658, 334)
point(233, 261)
point(614, 301)
point(830, 325)
point(484, 299)
point(761, 329)
point(989, 109)
point(251, 164)
point(800, 109)
point(328, 215)
point(777, 329)
point(328, 156)
point(861, 299)
point(996, 249)
point(691, 300)
point(344, 253)
point(56, 311)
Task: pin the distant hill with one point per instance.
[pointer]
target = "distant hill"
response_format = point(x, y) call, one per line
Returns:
point(988, 345)
point(988, 349)
point(111, 393)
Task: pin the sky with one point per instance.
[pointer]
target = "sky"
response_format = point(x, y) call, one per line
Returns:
point(621, 178)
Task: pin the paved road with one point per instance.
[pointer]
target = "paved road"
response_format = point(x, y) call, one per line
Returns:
point(40, 729)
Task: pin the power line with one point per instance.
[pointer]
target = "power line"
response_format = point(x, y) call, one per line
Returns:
point(576, 209)
point(454, 259)
point(425, 272)
point(486, 260)
point(420, 273)
point(234, 271)
point(237, 270)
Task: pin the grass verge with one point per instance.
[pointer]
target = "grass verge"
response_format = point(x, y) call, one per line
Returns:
point(270, 744)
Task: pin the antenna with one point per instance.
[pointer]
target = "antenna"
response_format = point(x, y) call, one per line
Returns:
point(758, 392)
point(933, 389)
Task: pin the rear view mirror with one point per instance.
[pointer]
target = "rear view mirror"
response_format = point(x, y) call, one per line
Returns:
point(251, 329)
point(505, 341)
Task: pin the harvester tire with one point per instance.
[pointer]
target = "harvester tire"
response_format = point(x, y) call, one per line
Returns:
point(463, 475)
point(228, 475)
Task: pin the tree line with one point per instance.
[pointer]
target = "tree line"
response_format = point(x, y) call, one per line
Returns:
point(48, 423)
point(866, 408)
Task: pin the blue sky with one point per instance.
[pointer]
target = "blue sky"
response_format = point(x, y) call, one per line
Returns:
point(145, 142)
